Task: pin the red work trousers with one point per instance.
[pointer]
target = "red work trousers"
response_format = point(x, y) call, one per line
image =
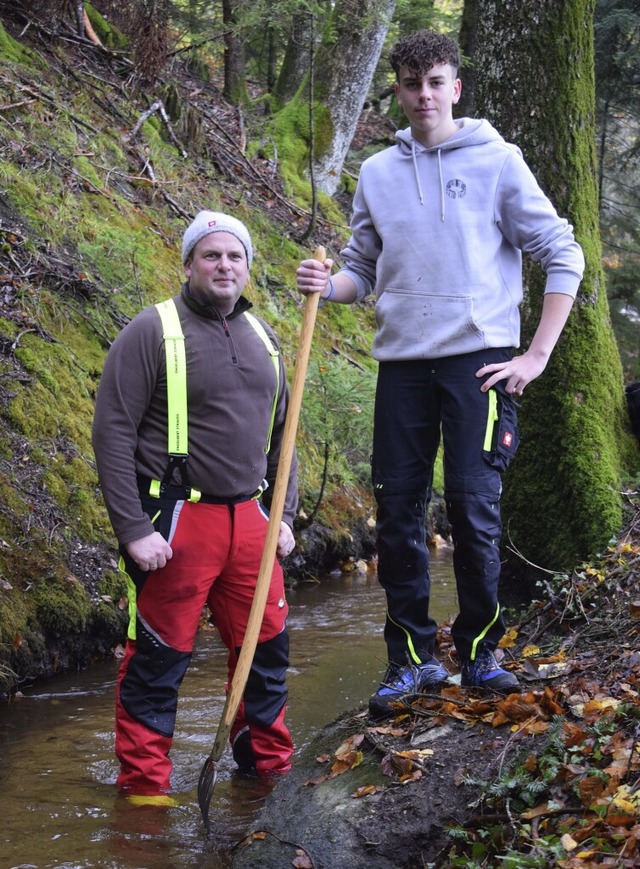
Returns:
point(217, 550)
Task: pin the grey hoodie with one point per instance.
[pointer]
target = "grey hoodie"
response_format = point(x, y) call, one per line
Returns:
point(438, 234)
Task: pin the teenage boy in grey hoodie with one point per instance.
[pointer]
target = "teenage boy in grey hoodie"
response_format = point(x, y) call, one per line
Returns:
point(440, 221)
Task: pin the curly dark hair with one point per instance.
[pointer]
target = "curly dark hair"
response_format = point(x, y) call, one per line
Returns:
point(422, 50)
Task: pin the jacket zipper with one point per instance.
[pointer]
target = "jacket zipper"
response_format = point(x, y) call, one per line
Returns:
point(232, 349)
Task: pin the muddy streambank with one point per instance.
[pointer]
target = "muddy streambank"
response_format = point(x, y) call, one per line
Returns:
point(363, 818)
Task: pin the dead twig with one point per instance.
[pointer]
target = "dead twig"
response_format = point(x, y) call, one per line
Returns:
point(254, 834)
point(39, 94)
point(16, 340)
point(158, 106)
point(147, 167)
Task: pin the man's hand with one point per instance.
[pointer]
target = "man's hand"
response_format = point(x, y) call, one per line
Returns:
point(151, 552)
point(286, 541)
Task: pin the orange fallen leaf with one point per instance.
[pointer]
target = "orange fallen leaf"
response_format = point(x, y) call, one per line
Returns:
point(508, 640)
point(393, 765)
point(594, 708)
point(411, 776)
point(347, 747)
point(619, 819)
point(536, 812)
point(416, 753)
point(367, 790)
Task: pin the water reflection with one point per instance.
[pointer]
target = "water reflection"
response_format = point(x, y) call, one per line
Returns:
point(59, 808)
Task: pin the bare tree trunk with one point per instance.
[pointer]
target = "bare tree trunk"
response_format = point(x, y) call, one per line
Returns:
point(295, 64)
point(79, 8)
point(345, 65)
point(271, 59)
point(561, 501)
point(468, 45)
point(235, 85)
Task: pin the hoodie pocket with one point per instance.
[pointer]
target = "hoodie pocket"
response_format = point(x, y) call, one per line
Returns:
point(502, 437)
point(415, 325)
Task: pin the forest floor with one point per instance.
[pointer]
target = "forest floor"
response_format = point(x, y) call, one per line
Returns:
point(549, 777)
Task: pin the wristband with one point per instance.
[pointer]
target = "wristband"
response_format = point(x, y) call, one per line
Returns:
point(325, 299)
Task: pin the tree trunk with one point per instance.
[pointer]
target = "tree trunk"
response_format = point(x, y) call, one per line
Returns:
point(344, 64)
point(561, 500)
point(79, 9)
point(344, 69)
point(468, 45)
point(235, 83)
point(295, 63)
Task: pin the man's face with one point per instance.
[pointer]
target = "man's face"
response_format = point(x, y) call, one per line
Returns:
point(217, 271)
point(427, 100)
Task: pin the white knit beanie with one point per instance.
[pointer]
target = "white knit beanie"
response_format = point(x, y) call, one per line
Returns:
point(214, 221)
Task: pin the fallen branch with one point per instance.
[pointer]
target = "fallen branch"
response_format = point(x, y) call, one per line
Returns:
point(158, 106)
point(16, 341)
point(36, 92)
point(148, 168)
point(89, 32)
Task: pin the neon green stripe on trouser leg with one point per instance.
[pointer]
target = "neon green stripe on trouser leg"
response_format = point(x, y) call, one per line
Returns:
point(480, 637)
point(492, 419)
point(132, 596)
point(411, 648)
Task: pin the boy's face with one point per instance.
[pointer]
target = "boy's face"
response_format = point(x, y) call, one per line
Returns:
point(427, 100)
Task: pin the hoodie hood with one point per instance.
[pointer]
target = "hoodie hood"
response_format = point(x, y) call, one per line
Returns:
point(470, 132)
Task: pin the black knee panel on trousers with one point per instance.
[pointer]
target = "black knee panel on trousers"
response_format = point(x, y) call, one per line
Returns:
point(266, 690)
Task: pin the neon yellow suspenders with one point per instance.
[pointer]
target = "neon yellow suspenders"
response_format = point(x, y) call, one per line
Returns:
point(272, 350)
point(177, 414)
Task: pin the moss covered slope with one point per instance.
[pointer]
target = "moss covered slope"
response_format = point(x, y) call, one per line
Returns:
point(93, 205)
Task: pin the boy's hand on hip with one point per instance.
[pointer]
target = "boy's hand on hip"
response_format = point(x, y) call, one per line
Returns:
point(518, 373)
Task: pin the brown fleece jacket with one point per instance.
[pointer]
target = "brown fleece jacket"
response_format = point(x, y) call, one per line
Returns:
point(231, 383)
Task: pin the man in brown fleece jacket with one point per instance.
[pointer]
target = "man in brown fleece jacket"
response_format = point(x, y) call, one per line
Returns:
point(191, 530)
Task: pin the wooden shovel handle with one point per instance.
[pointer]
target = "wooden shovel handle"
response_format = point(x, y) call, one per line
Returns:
point(245, 659)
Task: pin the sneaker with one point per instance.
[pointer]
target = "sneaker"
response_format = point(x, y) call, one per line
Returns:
point(485, 672)
point(399, 680)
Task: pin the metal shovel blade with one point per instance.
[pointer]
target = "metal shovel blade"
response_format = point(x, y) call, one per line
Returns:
point(206, 784)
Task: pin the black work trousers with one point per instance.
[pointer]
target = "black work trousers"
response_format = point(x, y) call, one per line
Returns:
point(417, 402)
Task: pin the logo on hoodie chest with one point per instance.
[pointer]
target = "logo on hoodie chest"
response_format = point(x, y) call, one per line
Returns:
point(456, 189)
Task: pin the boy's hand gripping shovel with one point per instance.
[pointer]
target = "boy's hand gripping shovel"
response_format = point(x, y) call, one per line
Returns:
point(207, 780)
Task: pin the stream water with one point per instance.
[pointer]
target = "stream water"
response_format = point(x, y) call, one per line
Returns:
point(59, 808)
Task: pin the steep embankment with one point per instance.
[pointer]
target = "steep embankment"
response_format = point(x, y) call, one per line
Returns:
point(98, 180)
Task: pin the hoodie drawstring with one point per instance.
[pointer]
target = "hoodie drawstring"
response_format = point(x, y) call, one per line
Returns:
point(442, 199)
point(415, 171)
point(419, 185)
